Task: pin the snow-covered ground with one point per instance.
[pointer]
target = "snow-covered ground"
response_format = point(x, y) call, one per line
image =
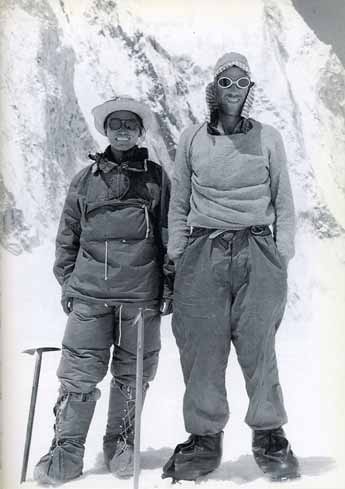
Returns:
point(310, 346)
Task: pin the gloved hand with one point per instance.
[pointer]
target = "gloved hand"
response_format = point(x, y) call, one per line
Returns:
point(166, 307)
point(67, 304)
point(168, 287)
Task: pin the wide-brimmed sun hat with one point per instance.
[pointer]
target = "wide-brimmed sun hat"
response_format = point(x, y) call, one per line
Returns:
point(101, 112)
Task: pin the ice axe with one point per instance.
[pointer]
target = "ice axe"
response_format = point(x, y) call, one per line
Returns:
point(32, 351)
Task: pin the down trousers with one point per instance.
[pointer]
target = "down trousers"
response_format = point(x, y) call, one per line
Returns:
point(91, 331)
point(229, 287)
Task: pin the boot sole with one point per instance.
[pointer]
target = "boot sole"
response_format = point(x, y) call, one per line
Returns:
point(181, 472)
point(41, 477)
point(284, 477)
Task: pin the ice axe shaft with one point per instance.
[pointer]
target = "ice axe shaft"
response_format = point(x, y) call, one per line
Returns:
point(138, 397)
point(34, 390)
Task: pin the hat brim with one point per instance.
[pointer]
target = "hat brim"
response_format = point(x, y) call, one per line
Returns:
point(101, 112)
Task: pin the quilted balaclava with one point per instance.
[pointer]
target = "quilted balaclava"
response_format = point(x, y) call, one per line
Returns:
point(225, 62)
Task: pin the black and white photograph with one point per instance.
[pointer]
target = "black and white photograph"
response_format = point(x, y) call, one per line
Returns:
point(172, 244)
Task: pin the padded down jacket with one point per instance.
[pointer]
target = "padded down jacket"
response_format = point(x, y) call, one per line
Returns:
point(112, 236)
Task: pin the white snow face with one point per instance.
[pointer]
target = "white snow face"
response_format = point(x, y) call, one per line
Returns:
point(59, 59)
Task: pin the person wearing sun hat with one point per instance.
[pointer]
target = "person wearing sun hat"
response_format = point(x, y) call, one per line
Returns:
point(229, 189)
point(110, 251)
point(101, 112)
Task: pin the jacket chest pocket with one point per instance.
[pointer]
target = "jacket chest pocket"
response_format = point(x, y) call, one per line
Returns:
point(116, 220)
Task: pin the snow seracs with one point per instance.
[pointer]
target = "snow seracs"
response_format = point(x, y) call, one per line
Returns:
point(316, 81)
point(80, 54)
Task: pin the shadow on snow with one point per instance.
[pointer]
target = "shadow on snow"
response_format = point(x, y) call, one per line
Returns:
point(245, 470)
point(150, 459)
point(241, 471)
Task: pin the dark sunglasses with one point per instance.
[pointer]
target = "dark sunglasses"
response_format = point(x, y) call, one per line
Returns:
point(226, 82)
point(129, 124)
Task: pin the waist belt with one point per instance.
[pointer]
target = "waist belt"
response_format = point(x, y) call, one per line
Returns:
point(259, 230)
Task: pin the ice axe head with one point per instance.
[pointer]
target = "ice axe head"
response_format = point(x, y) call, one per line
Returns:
point(32, 351)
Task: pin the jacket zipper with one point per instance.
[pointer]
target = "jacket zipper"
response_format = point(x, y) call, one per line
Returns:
point(106, 241)
point(120, 325)
point(106, 261)
point(147, 221)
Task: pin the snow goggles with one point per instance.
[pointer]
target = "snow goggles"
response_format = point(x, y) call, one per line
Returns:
point(226, 82)
point(129, 124)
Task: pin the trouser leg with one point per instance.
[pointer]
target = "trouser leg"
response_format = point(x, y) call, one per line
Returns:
point(257, 311)
point(123, 365)
point(229, 286)
point(121, 411)
point(202, 331)
point(84, 361)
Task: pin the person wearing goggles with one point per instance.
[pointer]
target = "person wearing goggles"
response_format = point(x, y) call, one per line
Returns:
point(226, 82)
point(115, 123)
point(110, 250)
point(230, 190)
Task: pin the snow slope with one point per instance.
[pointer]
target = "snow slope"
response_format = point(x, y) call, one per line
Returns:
point(310, 361)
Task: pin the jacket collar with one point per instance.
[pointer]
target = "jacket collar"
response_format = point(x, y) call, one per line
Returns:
point(242, 127)
point(135, 159)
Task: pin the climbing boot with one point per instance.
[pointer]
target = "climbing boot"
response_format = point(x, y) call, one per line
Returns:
point(197, 456)
point(64, 461)
point(273, 454)
point(118, 442)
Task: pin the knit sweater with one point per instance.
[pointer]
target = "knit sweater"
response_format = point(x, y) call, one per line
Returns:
point(231, 182)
